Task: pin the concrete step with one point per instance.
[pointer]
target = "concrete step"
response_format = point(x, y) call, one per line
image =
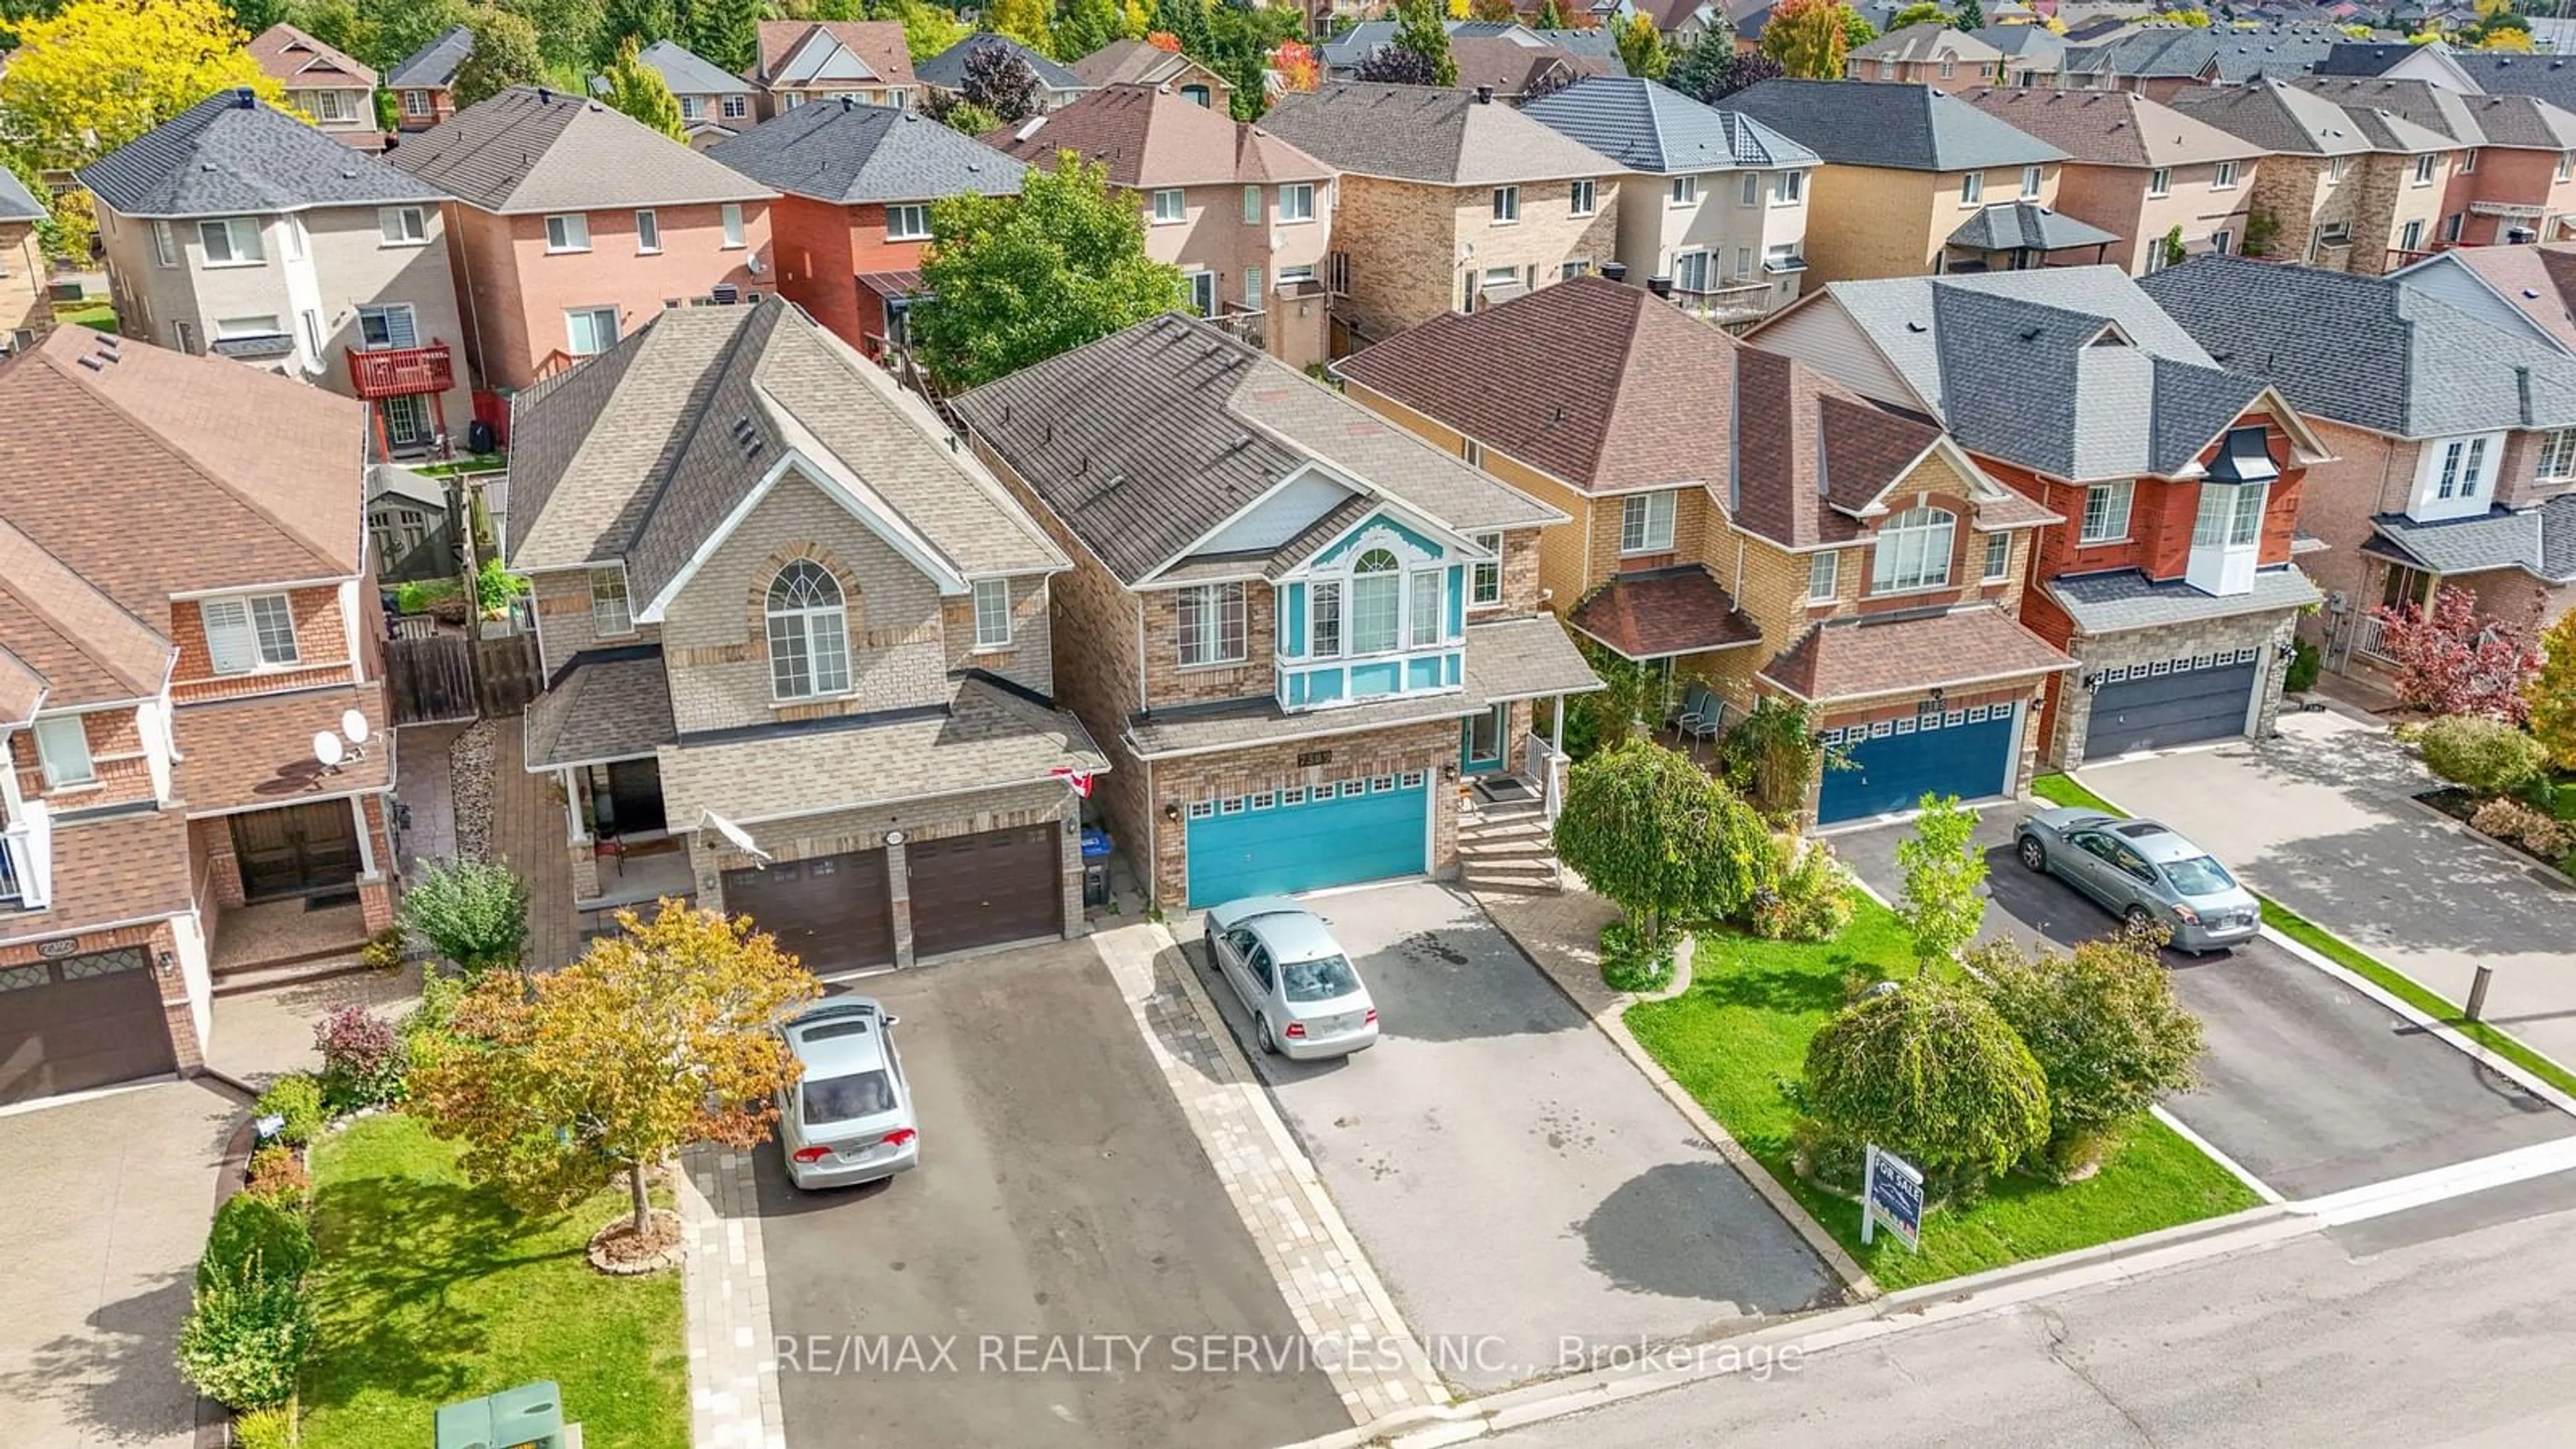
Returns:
point(1532, 826)
point(1509, 868)
point(1512, 885)
point(270, 975)
point(1504, 847)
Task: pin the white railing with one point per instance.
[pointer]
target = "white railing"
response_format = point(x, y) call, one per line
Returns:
point(1544, 764)
point(1741, 302)
point(2368, 639)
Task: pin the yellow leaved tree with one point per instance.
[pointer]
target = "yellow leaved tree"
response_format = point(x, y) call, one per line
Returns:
point(103, 72)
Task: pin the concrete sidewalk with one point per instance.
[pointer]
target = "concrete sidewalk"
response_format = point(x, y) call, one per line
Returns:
point(2321, 821)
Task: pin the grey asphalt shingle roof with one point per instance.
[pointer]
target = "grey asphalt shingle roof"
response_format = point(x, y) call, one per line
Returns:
point(1645, 126)
point(947, 69)
point(603, 704)
point(2541, 541)
point(433, 66)
point(689, 74)
point(2550, 77)
point(2010, 224)
point(533, 150)
point(1144, 442)
point(2127, 599)
point(1889, 124)
point(221, 157)
point(854, 153)
point(2278, 116)
point(1423, 133)
point(17, 203)
point(2368, 351)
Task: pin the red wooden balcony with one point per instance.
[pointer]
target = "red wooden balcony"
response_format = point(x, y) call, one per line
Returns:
point(402, 370)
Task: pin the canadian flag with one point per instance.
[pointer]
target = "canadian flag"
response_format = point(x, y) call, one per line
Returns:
point(1080, 780)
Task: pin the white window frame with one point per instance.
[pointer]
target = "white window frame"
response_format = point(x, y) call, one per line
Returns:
point(2468, 162)
point(249, 633)
point(1788, 188)
point(2567, 165)
point(1682, 190)
point(992, 614)
point(1748, 192)
point(1485, 577)
point(572, 338)
point(1824, 576)
point(2463, 468)
point(2425, 166)
point(385, 312)
point(228, 329)
point(2338, 167)
point(2106, 513)
point(1507, 205)
point(1583, 197)
point(1972, 189)
point(2221, 518)
point(243, 244)
point(313, 333)
point(2556, 456)
point(692, 108)
point(403, 226)
point(1998, 558)
point(1949, 68)
point(2032, 178)
point(2224, 177)
point(2160, 181)
point(165, 244)
point(729, 216)
point(2410, 237)
point(1646, 522)
point(1904, 553)
point(734, 108)
point(821, 629)
point(329, 105)
point(908, 221)
point(415, 103)
point(1324, 624)
point(612, 614)
point(1170, 207)
point(648, 232)
point(1203, 616)
point(1252, 207)
point(1296, 203)
point(1425, 618)
point(567, 231)
point(55, 753)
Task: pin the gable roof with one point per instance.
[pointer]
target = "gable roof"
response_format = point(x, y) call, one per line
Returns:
point(1429, 134)
point(850, 153)
point(2038, 44)
point(688, 73)
point(305, 63)
point(2278, 116)
point(2550, 77)
point(232, 153)
point(1134, 62)
point(1145, 442)
point(2026, 226)
point(2540, 541)
point(1890, 124)
point(17, 203)
point(66, 635)
point(1150, 137)
point(647, 452)
point(2370, 351)
point(433, 67)
point(947, 69)
point(1928, 40)
point(2536, 279)
point(799, 53)
point(2110, 128)
point(1511, 68)
point(530, 149)
point(2525, 122)
point(1647, 126)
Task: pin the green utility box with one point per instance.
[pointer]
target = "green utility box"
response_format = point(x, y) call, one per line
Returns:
point(527, 1417)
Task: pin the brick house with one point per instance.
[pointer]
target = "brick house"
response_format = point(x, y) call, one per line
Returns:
point(1248, 218)
point(571, 224)
point(236, 230)
point(1058, 86)
point(1739, 521)
point(423, 82)
point(2174, 485)
point(2137, 169)
point(1292, 627)
point(799, 61)
point(715, 104)
point(855, 185)
point(2454, 441)
point(796, 648)
point(1448, 200)
point(1136, 63)
point(2351, 190)
point(325, 84)
point(26, 308)
point(184, 605)
point(2514, 178)
point(1926, 53)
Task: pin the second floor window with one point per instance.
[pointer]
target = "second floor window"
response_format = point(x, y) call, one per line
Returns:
point(390, 326)
point(1170, 207)
point(231, 242)
point(2224, 178)
point(1788, 188)
point(992, 613)
point(1297, 203)
point(1586, 199)
point(1646, 523)
point(402, 226)
point(2558, 455)
point(1377, 602)
point(2030, 179)
point(2106, 512)
point(1998, 557)
point(736, 107)
point(2464, 466)
point(569, 232)
point(1685, 190)
point(246, 634)
point(907, 223)
point(1485, 581)
point(610, 617)
point(2228, 517)
point(1823, 576)
point(648, 232)
point(1972, 188)
point(1422, 609)
point(693, 108)
point(1324, 634)
point(589, 331)
point(1913, 551)
point(2425, 165)
point(1507, 204)
point(730, 214)
point(62, 748)
point(2160, 181)
point(165, 244)
point(809, 633)
point(1211, 624)
point(415, 103)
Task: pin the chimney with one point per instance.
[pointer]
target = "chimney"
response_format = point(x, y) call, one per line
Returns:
point(847, 102)
point(1484, 95)
point(545, 95)
point(1614, 271)
point(1660, 286)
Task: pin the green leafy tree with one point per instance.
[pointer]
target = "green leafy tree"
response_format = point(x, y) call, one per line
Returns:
point(505, 55)
point(1972, 16)
point(964, 117)
point(1642, 48)
point(1031, 22)
point(472, 913)
point(1420, 30)
point(1604, 718)
point(1240, 40)
point(1019, 280)
point(1857, 31)
point(1656, 837)
point(727, 32)
point(1942, 867)
point(639, 90)
point(2482, 754)
point(567, 30)
point(335, 23)
point(393, 29)
point(1711, 69)
point(928, 29)
point(641, 21)
point(1550, 17)
point(1185, 21)
point(1771, 753)
point(1916, 14)
point(1086, 25)
point(1809, 38)
point(2175, 252)
point(102, 72)
point(2104, 1026)
point(2552, 693)
point(1931, 1072)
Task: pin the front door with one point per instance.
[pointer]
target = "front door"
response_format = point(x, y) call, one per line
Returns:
point(634, 797)
point(300, 850)
point(1484, 747)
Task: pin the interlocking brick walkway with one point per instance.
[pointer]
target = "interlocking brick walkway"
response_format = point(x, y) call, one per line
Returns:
point(528, 833)
point(733, 1370)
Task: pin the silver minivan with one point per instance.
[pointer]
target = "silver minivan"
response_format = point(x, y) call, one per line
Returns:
point(849, 1119)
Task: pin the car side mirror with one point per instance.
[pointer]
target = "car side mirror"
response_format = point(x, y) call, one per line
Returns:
point(891, 1019)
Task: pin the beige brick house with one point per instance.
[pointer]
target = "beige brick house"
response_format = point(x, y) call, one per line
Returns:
point(2141, 171)
point(185, 604)
point(1296, 631)
point(2352, 189)
point(26, 311)
point(796, 648)
point(1136, 63)
point(801, 61)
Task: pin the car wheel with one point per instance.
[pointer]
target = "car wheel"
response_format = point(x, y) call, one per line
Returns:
point(1269, 1043)
point(2034, 856)
point(2139, 918)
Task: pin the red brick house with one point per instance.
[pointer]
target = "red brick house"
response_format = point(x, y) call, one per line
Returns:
point(802, 61)
point(185, 604)
point(424, 81)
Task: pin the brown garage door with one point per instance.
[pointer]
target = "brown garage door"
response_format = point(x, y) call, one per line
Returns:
point(980, 890)
point(832, 912)
point(80, 1022)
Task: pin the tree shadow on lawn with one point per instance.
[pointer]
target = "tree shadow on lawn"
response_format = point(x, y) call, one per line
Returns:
point(1722, 976)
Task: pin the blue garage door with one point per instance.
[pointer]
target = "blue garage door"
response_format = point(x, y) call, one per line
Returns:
point(1895, 763)
point(1282, 841)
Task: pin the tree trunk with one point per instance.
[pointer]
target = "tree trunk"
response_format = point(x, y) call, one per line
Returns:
point(643, 1203)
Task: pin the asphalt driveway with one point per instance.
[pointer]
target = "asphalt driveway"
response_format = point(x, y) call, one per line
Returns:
point(1060, 1195)
point(107, 1202)
point(2311, 1087)
point(1513, 1178)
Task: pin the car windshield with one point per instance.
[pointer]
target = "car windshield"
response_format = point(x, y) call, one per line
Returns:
point(1321, 979)
point(2199, 876)
point(840, 1099)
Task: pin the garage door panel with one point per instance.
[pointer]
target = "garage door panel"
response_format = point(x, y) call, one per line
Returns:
point(81, 1022)
point(2177, 707)
point(1895, 763)
point(985, 889)
point(832, 912)
point(1301, 840)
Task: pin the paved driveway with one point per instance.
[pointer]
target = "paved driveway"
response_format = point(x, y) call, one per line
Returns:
point(1511, 1175)
point(106, 1202)
point(2310, 1086)
point(1060, 1194)
point(2320, 821)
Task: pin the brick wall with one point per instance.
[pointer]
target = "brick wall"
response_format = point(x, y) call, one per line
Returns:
point(116, 757)
point(2529, 178)
point(1404, 241)
point(1029, 659)
point(561, 599)
point(1554, 559)
point(1872, 221)
point(518, 294)
point(321, 648)
point(814, 242)
point(2295, 193)
point(2388, 198)
point(1168, 681)
point(1425, 747)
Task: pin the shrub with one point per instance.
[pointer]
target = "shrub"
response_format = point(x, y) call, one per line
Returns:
point(2516, 823)
point(1771, 754)
point(1661, 840)
point(270, 1428)
point(2105, 1028)
point(244, 1341)
point(278, 1175)
point(362, 1059)
point(2481, 754)
point(1811, 899)
point(296, 1101)
point(254, 1237)
point(474, 913)
point(383, 951)
point(1939, 903)
point(1628, 964)
point(2305, 664)
point(1931, 1072)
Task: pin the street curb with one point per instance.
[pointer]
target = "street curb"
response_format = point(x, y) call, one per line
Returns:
point(2518, 858)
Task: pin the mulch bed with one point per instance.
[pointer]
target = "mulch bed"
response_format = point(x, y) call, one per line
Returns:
point(620, 1250)
point(2461, 805)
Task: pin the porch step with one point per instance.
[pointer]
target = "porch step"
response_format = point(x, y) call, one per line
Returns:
point(270, 975)
point(1501, 847)
point(1531, 824)
point(288, 956)
point(1528, 875)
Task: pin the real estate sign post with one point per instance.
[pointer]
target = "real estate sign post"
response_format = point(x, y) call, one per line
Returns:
point(1891, 1193)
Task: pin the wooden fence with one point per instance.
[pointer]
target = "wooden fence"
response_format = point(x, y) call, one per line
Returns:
point(507, 674)
point(446, 678)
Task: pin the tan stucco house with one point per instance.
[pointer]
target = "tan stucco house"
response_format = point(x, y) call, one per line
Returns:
point(2139, 170)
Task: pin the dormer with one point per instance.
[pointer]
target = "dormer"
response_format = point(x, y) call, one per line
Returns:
point(1381, 610)
point(2455, 477)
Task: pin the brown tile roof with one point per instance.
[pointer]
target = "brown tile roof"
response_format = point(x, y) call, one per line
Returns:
point(63, 631)
point(1510, 67)
point(129, 867)
point(1129, 62)
point(2540, 279)
point(1148, 137)
point(1666, 612)
point(1882, 654)
point(259, 750)
point(305, 63)
point(2110, 128)
point(534, 149)
point(880, 43)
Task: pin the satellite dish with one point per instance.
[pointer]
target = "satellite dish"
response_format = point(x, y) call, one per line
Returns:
point(354, 725)
point(326, 748)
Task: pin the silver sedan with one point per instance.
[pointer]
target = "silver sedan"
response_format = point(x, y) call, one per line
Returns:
point(1305, 998)
point(2143, 872)
point(849, 1117)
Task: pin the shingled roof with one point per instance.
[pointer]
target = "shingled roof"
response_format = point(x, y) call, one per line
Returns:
point(1891, 125)
point(433, 67)
point(1428, 134)
point(1647, 126)
point(231, 154)
point(1147, 137)
point(797, 54)
point(850, 153)
point(304, 63)
point(17, 203)
point(947, 69)
point(2278, 116)
point(530, 149)
point(2110, 128)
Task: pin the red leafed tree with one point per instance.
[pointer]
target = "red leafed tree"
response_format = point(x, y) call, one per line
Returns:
point(1297, 66)
point(1164, 40)
point(2455, 660)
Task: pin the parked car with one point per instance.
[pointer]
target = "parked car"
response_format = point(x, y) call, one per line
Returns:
point(849, 1119)
point(1305, 997)
point(2144, 872)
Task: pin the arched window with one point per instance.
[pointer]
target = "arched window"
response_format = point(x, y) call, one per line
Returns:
point(1377, 583)
point(1913, 551)
point(809, 633)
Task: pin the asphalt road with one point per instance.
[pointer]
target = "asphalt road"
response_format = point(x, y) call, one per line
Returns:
point(2309, 1085)
point(1061, 1199)
point(1514, 1179)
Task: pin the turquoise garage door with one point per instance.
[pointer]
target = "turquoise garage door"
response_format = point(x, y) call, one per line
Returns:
point(1283, 841)
point(1895, 763)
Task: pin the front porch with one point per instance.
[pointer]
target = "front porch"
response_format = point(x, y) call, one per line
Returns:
point(270, 943)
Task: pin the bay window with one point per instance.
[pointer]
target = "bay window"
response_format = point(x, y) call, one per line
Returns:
point(1376, 602)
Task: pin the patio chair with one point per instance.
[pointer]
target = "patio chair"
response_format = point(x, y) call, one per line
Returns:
point(1703, 715)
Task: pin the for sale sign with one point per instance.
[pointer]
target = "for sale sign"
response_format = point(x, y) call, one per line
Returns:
point(1892, 1195)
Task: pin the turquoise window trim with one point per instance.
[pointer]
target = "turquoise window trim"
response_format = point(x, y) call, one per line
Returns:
point(1380, 677)
point(1341, 547)
point(1292, 633)
point(1457, 596)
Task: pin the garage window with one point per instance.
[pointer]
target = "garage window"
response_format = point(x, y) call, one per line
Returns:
point(809, 633)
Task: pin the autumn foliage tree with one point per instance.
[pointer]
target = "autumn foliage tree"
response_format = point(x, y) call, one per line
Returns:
point(660, 1037)
point(2453, 660)
point(1298, 66)
point(1712, 68)
point(102, 72)
point(1809, 38)
point(2551, 693)
point(639, 90)
point(1642, 49)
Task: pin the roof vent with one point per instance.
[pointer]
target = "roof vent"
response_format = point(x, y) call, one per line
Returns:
point(545, 95)
point(92, 364)
point(848, 103)
point(246, 99)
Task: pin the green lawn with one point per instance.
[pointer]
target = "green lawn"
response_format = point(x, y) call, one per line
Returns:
point(488, 463)
point(2063, 791)
point(99, 317)
point(1741, 1032)
point(430, 1291)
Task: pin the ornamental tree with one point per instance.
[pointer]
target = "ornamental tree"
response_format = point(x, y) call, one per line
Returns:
point(506, 54)
point(2454, 660)
point(1942, 866)
point(639, 90)
point(1394, 65)
point(661, 1036)
point(1419, 29)
point(103, 72)
point(1298, 66)
point(1931, 1072)
point(2104, 1026)
point(1642, 49)
point(999, 81)
point(1809, 37)
point(2550, 693)
point(1659, 839)
point(1972, 16)
point(1713, 69)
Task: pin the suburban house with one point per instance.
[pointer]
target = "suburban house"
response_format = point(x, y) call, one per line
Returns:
point(1135, 63)
point(2161, 59)
point(1926, 53)
point(26, 306)
point(184, 608)
point(2520, 288)
point(715, 104)
point(2032, 55)
point(2454, 441)
point(812, 60)
point(1917, 181)
point(1740, 523)
point(423, 82)
point(1728, 232)
point(855, 185)
point(1292, 627)
point(1448, 200)
point(2352, 191)
point(2513, 178)
point(1058, 86)
point(1514, 72)
point(237, 230)
point(2138, 170)
point(572, 224)
point(1589, 50)
point(2173, 485)
point(1248, 217)
point(325, 84)
point(2436, 63)
point(796, 646)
